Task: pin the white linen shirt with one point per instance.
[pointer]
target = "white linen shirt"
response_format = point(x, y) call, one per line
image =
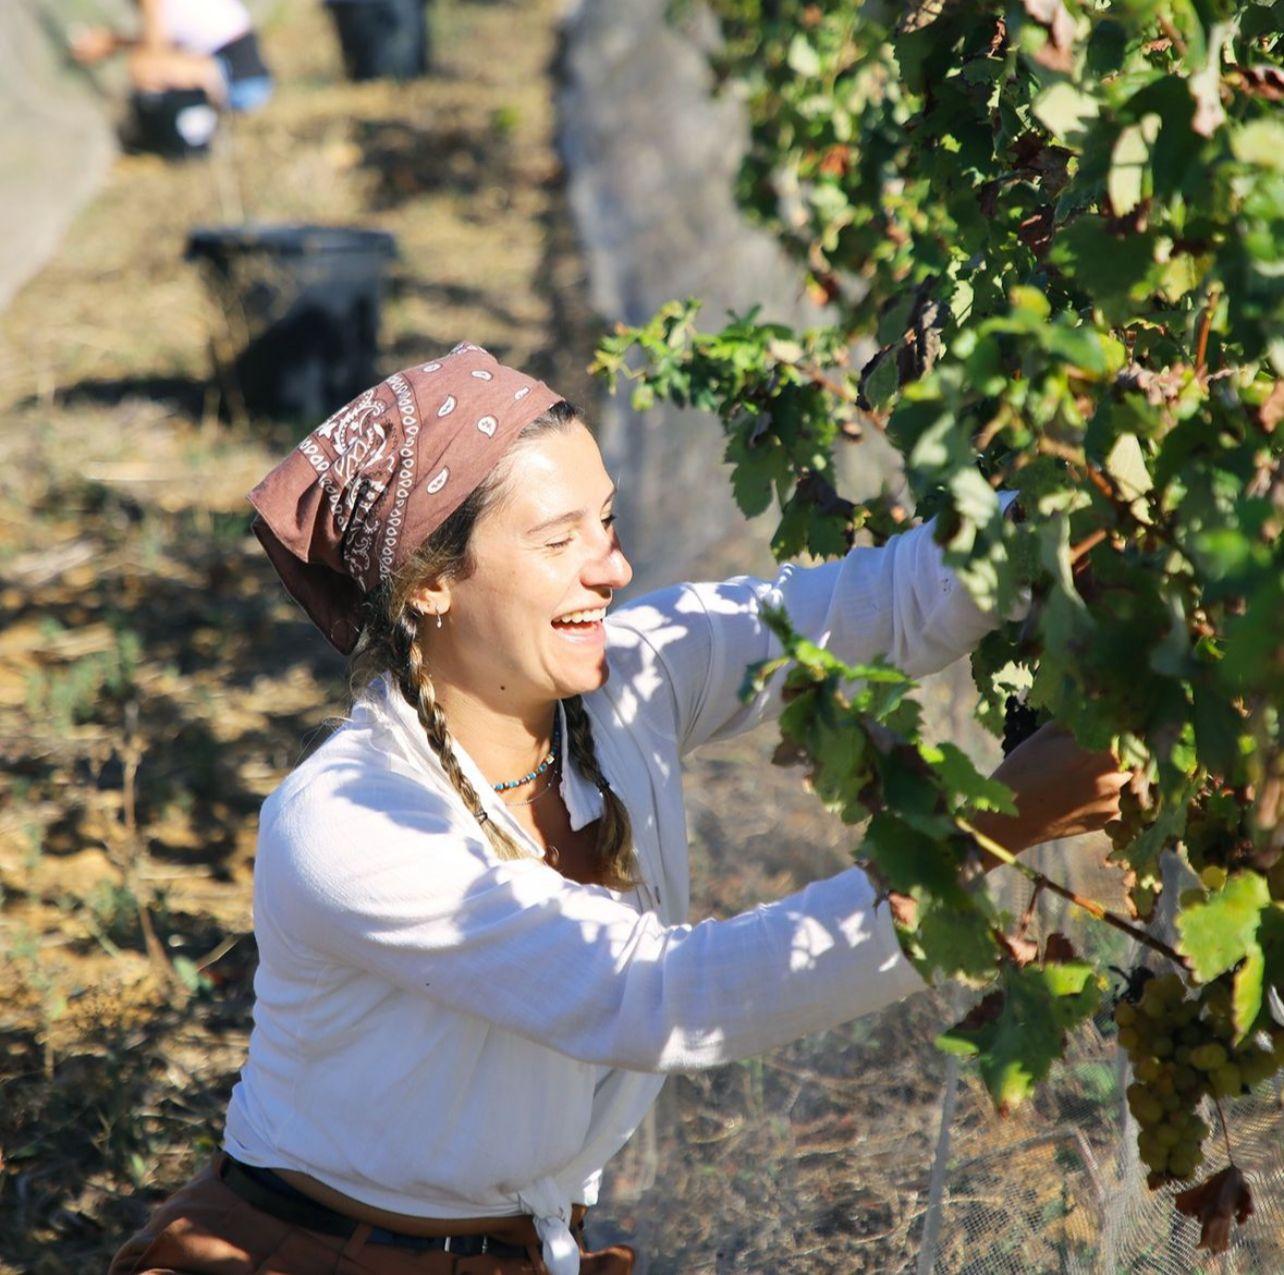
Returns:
point(443, 1033)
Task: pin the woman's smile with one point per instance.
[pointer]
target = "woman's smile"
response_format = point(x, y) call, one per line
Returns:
point(584, 627)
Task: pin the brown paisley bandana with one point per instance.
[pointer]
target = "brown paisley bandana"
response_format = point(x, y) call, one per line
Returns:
point(362, 492)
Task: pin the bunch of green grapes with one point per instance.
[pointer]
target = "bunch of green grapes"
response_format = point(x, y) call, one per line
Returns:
point(1182, 1049)
point(1217, 837)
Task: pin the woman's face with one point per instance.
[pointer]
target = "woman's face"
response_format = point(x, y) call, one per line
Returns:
point(524, 628)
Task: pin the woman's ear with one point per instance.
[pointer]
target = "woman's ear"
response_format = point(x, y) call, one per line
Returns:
point(431, 599)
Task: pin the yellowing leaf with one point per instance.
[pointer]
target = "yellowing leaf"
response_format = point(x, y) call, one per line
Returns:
point(1127, 466)
point(1129, 163)
point(1260, 142)
point(1216, 935)
point(1246, 996)
point(1065, 111)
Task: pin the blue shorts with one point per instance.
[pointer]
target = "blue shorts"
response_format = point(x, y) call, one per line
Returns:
point(247, 82)
point(247, 95)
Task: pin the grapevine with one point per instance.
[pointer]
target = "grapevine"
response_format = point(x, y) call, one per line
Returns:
point(1049, 235)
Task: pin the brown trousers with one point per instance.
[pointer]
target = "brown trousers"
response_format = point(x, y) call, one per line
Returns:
point(206, 1229)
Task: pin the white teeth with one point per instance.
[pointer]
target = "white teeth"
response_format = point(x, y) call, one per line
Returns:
point(583, 617)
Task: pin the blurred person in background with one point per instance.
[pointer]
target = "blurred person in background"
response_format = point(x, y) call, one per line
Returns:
point(471, 901)
point(187, 44)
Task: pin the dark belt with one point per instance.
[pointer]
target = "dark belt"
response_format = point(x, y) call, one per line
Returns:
point(272, 1194)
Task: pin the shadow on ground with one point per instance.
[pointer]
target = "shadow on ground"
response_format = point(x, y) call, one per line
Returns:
point(122, 1093)
point(405, 159)
point(183, 396)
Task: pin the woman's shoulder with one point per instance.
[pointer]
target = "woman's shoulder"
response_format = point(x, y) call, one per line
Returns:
point(677, 610)
point(353, 782)
point(674, 631)
point(639, 630)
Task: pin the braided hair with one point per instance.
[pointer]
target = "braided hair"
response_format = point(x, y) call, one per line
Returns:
point(390, 644)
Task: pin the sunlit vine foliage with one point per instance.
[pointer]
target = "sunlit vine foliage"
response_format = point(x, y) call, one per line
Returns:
point(1060, 226)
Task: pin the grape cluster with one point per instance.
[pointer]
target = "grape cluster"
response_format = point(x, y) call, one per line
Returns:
point(1182, 1050)
point(1020, 721)
point(1217, 836)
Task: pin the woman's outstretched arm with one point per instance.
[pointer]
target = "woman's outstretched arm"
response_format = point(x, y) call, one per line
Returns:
point(899, 602)
point(366, 874)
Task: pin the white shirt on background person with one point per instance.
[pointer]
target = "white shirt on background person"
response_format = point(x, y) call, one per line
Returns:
point(204, 26)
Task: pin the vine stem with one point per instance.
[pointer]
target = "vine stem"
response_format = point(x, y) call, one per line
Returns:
point(1221, 1118)
point(1166, 26)
point(1091, 906)
point(1028, 915)
point(817, 377)
point(1088, 544)
point(1205, 324)
point(840, 392)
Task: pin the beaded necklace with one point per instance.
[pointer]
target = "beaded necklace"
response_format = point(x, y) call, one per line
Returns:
point(530, 801)
point(551, 854)
point(534, 774)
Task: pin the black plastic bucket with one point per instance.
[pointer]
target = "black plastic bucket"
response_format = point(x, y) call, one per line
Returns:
point(300, 306)
point(176, 123)
point(382, 39)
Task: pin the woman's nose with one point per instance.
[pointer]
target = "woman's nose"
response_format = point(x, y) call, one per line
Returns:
point(611, 569)
point(622, 567)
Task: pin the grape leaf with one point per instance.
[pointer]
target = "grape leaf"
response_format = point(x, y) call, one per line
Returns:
point(1217, 727)
point(1129, 164)
point(1219, 932)
point(1246, 992)
point(908, 859)
point(1065, 111)
point(957, 941)
point(1260, 142)
point(1021, 1029)
point(962, 778)
point(1126, 464)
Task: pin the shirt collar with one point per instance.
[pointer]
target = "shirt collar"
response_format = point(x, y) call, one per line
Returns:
point(584, 802)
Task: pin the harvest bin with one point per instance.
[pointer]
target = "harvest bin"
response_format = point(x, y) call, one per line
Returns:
point(382, 39)
point(176, 123)
point(300, 314)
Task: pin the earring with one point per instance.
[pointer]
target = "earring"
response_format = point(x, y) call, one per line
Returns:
point(438, 615)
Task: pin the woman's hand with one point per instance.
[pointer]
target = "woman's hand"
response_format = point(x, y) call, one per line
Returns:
point(1060, 790)
point(93, 44)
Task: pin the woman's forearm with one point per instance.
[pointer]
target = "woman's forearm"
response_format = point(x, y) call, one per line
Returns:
point(153, 35)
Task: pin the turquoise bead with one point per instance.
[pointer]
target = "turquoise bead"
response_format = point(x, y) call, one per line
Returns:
point(535, 774)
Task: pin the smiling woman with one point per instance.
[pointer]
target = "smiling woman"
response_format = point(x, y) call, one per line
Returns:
point(470, 902)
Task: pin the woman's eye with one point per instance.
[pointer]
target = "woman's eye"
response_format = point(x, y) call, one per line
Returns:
point(607, 522)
